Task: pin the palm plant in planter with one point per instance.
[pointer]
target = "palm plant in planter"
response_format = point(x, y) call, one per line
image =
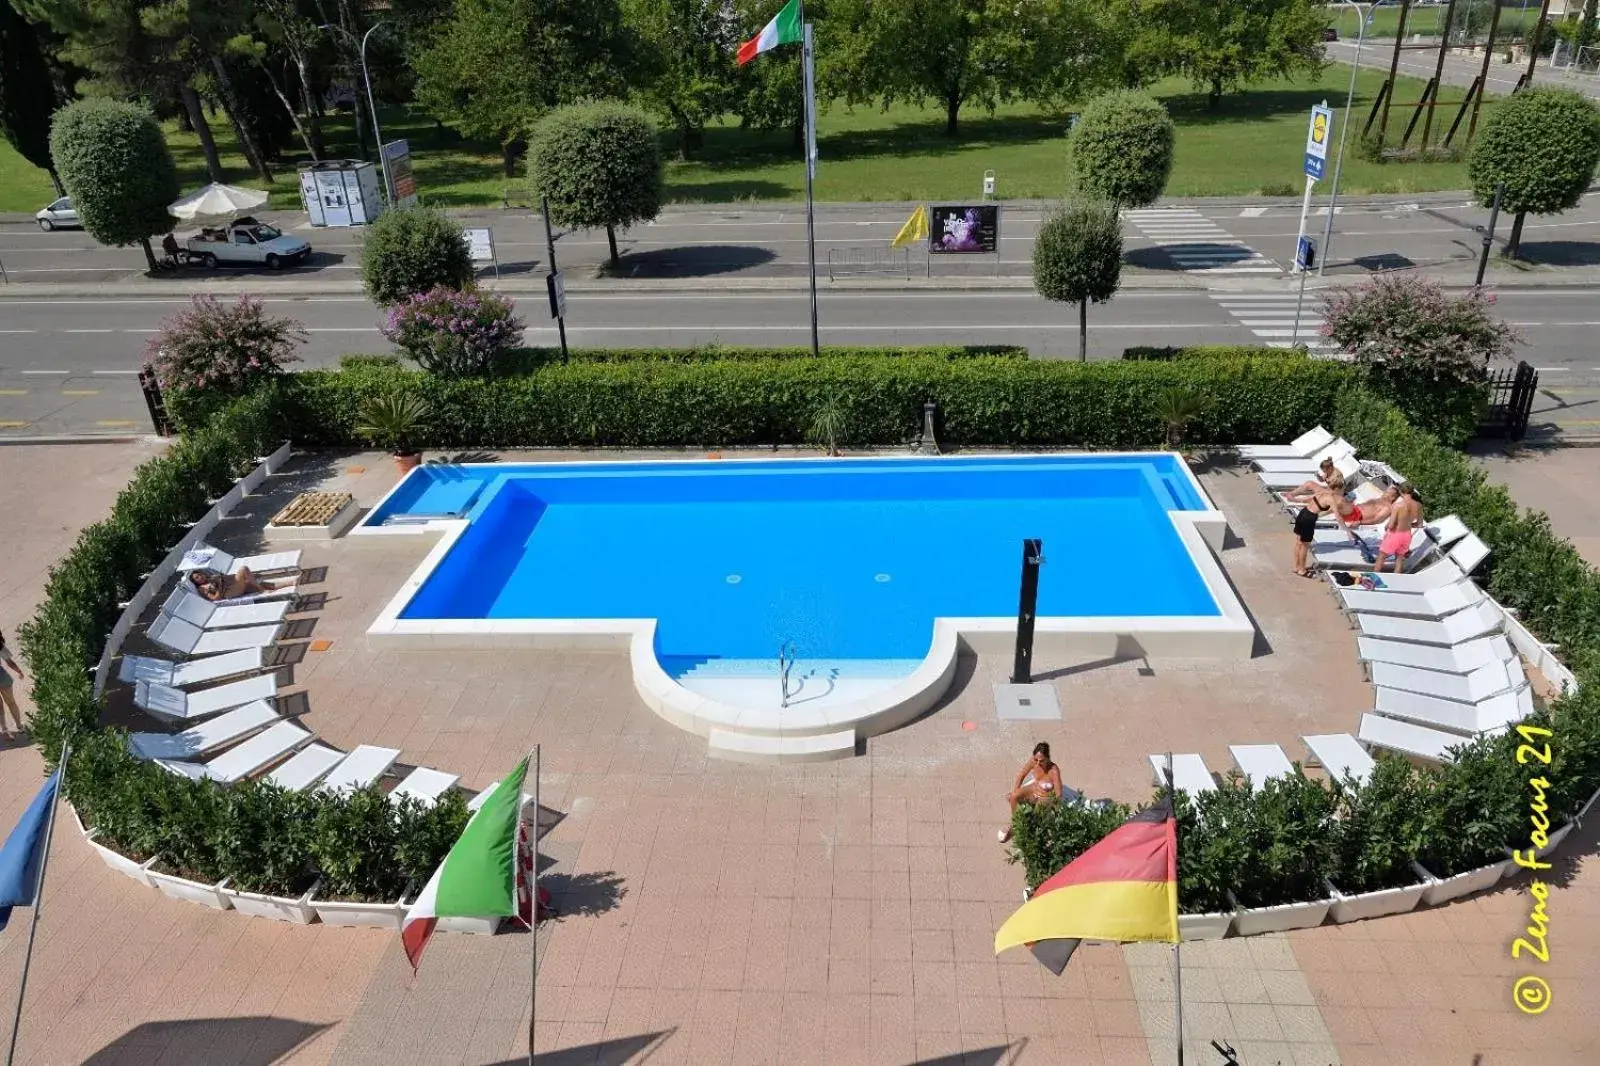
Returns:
point(829, 422)
point(394, 421)
point(1178, 408)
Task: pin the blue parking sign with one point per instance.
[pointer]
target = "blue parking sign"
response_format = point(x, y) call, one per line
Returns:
point(1314, 166)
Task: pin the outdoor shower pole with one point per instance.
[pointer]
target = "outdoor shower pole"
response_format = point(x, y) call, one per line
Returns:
point(1022, 665)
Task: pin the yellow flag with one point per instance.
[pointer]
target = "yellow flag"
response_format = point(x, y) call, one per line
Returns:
point(915, 229)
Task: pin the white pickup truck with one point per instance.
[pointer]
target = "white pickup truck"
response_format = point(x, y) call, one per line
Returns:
point(246, 240)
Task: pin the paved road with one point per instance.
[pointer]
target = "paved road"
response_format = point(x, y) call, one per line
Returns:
point(68, 365)
point(731, 242)
point(1459, 70)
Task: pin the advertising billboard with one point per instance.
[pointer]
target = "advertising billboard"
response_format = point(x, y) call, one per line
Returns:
point(957, 229)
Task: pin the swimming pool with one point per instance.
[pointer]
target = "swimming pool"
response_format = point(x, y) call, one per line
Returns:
point(846, 565)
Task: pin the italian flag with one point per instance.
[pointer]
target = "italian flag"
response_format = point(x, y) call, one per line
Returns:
point(479, 878)
point(783, 29)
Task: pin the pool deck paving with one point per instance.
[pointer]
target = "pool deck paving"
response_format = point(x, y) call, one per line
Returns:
point(715, 912)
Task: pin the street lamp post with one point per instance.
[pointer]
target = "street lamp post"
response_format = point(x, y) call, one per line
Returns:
point(1344, 128)
point(372, 105)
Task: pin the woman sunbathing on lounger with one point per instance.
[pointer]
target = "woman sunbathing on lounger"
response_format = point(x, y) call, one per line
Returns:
point(1328, 480)
point(1038, 781)
point(214, 585)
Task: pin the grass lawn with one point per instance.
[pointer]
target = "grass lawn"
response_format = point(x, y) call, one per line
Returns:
point(1254, 143)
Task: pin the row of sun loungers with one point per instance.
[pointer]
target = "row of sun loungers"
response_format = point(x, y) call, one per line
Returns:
point(235, 726)
point(1433, 643)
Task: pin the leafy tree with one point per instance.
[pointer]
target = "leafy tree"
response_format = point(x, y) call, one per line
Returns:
point(115, 165)
point(1077, 258)
point(27, 91)
point(599, 165)
point(414, 249)
point(953, 52)
point(1543, 144)
point(1411, 334)
point(688, 62)
point(1222, 46)
point(496, 66)
point(1122, 148)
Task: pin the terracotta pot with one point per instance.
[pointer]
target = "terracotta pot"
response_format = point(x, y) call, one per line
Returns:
point(407, 463)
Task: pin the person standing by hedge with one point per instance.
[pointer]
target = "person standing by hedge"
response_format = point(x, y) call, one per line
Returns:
point(8, 699)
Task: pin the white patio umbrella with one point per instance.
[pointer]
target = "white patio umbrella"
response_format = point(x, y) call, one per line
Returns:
point(216, 203)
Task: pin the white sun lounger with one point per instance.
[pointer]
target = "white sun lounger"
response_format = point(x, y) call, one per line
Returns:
point(199, 739)
point(425, 785)
point(308, 766)
point(1463, 658)
point(1189, 773)
point(1435, 603)
point(1417, 740)
point(205, 557)
point(1490, 679)
point(1340, 754)
point(238, 763)
point(197, 610)
point(364, 765)
point(1481, 620)
point(1306, 444)
point(1335, 449)
point(478, 801)
point(1447, 530)
point(176, 705)
point(1332, 549)
point(1260, 763)
point(1487, 716)
point(1435, 575)
point(194, 672)
point(185, 638)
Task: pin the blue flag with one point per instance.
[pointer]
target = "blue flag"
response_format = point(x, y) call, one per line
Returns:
point(24, 852)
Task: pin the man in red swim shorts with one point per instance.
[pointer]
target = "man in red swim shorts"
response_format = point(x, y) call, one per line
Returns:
point(1404, 516)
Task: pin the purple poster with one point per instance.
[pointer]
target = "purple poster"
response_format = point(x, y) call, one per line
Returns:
point(953, 229)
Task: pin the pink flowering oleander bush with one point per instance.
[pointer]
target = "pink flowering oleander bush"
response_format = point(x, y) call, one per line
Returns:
point(1405, 322)
point(454, 334)
point(213, 351)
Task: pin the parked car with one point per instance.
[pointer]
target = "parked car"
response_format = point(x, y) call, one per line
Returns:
point(246, 240)
point(59, 214)
point(1330, 34)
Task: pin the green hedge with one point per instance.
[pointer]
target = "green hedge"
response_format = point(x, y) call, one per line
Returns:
point(984, 402)
point(267, 840)
point(1276, 844)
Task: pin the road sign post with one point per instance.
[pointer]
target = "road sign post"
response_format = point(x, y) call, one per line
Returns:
point(1316, 160)
point(1305, 257)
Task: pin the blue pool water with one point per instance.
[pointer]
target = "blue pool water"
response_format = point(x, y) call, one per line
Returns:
point(848, 559)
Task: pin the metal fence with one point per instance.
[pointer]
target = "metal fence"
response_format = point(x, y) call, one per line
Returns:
point(852, 262)
point(1511, 392)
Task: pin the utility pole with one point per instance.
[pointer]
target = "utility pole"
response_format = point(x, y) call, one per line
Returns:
point(1488, 234)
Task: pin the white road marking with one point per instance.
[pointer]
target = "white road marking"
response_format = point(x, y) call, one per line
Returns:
point(1197, 245)
point(1254, 212)
point(61, 373)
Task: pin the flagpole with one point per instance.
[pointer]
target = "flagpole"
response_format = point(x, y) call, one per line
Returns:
point(38, 902)
point(533, 897)
point(808, 79)
point(1177, 946)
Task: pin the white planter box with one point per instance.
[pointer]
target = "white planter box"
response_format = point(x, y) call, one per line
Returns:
point(174, 887)
point(139, 871)
point(1248, 921)
point(1213, 926)
point(475, 926)
point(279, 908)
point(1556, 838)
point(372, 915)
point(1462, 884)
point(1377, 904)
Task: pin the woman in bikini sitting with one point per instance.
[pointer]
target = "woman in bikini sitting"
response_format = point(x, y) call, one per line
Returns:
point(214, 585)
point(1328, 480)
point(1038, 781)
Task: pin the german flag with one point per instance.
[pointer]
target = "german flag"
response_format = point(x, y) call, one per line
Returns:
point(1123, 888)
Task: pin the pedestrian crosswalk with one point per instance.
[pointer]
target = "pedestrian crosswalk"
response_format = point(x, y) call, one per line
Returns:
point(1196, 244)
point(1271, 316)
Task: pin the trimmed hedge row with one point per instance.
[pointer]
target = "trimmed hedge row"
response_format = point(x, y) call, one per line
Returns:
point(1277, 843)
point(984, 402)
point(267, 840)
